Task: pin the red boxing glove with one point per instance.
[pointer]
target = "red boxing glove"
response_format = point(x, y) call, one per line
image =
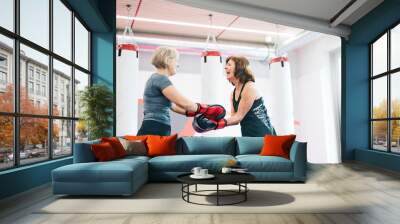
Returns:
point(221, 123)
point(203, 124)
point(201, 108)
point(213, 112)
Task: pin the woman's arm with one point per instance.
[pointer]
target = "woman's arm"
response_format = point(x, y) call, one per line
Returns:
point(177, 98)
point(249, 94)
point(178, 109)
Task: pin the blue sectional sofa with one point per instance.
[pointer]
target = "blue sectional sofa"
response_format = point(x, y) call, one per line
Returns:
point(125, 176)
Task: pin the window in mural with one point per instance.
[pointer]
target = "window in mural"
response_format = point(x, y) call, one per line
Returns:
point(39, 124)
point(385, 91)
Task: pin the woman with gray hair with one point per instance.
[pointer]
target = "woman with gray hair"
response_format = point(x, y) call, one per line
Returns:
point(160, 96)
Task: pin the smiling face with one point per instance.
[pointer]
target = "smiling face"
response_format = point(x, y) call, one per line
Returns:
point(230, 71)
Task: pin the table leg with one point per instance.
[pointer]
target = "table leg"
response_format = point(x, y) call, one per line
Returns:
point(217, 194)
point(188, 190)
point(196, 188)
point(245, 193)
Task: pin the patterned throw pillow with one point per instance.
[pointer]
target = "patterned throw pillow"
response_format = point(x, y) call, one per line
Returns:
point(134, 147)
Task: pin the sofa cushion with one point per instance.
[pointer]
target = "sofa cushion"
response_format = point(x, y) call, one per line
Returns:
point(206, 145)
point(249, 145)
point(257, 163)
point(83, 152)
point(185, 163)
point(112, 171)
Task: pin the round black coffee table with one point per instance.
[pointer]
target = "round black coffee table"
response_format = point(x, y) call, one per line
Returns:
point(238, 179)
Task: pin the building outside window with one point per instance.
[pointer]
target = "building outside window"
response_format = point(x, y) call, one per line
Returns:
point(3, 72)
point(38, 89)
point(30, 72)
point(44, 77)
point(30, 87)
point(43, 90)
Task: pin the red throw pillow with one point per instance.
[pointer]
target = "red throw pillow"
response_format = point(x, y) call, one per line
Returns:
point(103, 152)
point(277, 145)
point(116, 145)
point(161, 145)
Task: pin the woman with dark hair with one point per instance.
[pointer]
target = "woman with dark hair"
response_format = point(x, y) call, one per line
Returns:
point(248, 107)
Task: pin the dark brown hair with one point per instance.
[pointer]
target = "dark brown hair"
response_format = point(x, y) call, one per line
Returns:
point(242, 70)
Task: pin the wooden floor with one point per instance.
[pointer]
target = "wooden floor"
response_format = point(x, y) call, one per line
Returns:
point(377, 188)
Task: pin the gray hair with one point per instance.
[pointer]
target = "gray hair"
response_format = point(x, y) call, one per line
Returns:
point(163, 56)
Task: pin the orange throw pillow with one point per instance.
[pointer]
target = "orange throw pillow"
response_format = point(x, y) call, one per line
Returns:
point(277, 145)
point(135, 138)
point(103, 152)
point(161, 145)
point(116, 145)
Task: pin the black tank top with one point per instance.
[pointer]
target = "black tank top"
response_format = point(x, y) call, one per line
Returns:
point(256, 122)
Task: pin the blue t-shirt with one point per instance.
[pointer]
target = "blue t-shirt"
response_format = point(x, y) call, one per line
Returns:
point(156, 105)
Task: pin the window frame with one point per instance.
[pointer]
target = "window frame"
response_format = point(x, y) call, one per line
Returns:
point(15, 71)
point(388, 74)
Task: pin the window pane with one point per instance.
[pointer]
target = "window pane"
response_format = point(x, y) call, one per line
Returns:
point(395, 94)
point(81, 131)
point(379, 55)
point(62, 137)
point(7, 14)
point(6, 142)
point(34, 97)
point(81, 81)
point(81, 45)
point(6, 74)
point(395, 132)
point(379, 97)
point(62, 89)
point(395, 47)
point(33, 139)
point(379, 135)
point(62, 29)
point(35, 21)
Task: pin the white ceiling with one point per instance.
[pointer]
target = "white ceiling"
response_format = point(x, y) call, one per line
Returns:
point(166, 10)
point(319, 9)
point(287, 20)
point(313, 15)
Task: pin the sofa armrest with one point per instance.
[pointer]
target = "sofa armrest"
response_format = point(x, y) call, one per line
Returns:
point(83, 152)
point(298, 155)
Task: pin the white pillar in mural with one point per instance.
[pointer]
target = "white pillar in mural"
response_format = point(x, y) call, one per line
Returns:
point(127, 96)
point(280, 106)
